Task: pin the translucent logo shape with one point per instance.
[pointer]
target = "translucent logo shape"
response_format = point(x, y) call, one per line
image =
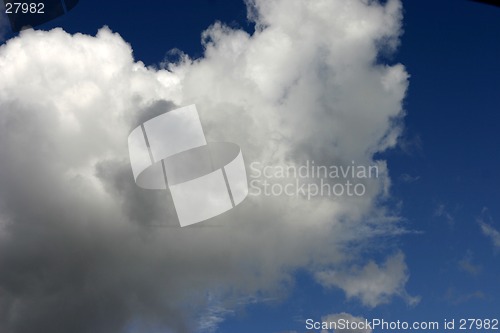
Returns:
point(204, 179)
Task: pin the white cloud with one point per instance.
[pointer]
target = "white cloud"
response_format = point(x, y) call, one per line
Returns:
point(343, 318)
point(467, 264)
point(373, 284)
point(485, 222)
point(212, 317)
point(305, 85)
point(407, 178)
point(457, 297)
point(492, 233)
point(442, 211)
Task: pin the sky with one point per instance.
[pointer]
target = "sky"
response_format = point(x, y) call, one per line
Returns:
point(408, 86)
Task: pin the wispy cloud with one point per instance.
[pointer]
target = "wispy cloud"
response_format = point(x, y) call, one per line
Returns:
point(443, 212)
point(467, 264)
point(407, 178)
point(373, 284)
point(459, 297)
point(491, 233)
point(212, 317)
point(486, 223)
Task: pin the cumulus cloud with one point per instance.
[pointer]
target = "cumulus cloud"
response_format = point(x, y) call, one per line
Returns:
point(83, 249)
point(373, 284)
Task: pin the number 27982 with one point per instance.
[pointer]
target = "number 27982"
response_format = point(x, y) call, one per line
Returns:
point(24, 8)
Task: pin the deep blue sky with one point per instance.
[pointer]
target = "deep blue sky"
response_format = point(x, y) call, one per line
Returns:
point(452, 137)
